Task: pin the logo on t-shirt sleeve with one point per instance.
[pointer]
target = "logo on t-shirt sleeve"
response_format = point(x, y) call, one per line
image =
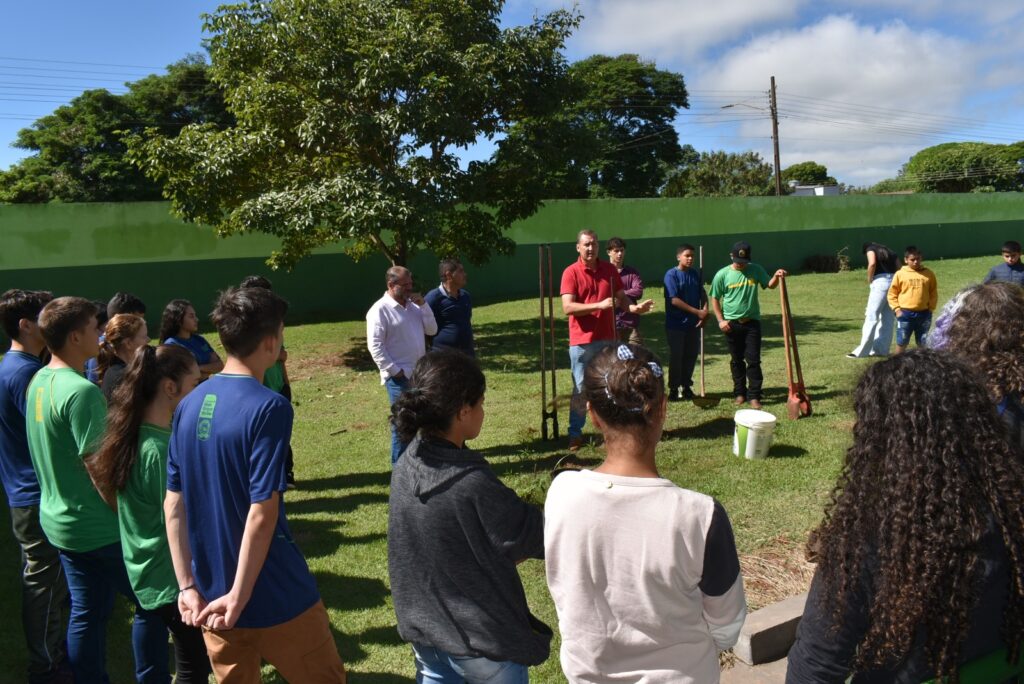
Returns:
point(205, 424)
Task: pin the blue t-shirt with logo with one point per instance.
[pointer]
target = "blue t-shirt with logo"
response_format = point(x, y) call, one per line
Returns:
point(229, 441)
point(196, 344)
point(688, 287)
point(16, 471)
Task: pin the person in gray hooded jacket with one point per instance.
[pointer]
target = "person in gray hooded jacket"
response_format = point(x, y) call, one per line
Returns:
point(455, 535)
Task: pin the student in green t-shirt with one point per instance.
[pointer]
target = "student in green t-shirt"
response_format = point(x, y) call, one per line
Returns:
point(734, 301)
point(130, 471)
point(64, 422)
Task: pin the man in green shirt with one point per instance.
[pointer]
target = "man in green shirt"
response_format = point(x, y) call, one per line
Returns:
point(64, 421)
point(734, 301)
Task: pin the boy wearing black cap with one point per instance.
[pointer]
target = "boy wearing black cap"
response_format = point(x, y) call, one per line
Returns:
point(734, 301)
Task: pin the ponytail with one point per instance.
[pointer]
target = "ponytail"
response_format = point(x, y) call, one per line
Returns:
point(442, 383)
point(111, 466)
point(120, 328)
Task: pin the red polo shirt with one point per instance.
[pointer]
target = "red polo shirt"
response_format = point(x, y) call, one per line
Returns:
point(590, 286)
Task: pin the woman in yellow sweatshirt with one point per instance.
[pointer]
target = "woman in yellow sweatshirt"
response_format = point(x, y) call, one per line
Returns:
point(912, 297)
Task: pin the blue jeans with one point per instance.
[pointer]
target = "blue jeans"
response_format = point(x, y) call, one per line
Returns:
point(579, 356)
point(394, 387)
point(93, 579)
point(879, 320)
point(913, 323)
point(434, 666)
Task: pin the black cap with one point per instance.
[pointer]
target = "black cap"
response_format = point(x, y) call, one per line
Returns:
point(740, 252)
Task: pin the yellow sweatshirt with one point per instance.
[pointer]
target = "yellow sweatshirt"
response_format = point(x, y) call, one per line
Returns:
point(914, 290)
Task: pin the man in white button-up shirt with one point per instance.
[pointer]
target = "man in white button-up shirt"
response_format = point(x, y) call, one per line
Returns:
point(396, 326)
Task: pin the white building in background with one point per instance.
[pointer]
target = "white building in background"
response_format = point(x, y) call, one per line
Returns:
point(797, 190)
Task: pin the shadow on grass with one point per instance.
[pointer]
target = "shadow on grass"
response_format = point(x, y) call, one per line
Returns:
point(786, 451)
point(356, 355)
point(344, 592)
point(347, 481)
point(385, 636)
point(514, 346)
point(711, 429)
point(377, 677)
point(345, 503)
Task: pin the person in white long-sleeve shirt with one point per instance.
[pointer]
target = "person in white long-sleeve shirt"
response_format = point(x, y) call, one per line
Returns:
point(647, 582)
point(396, 328)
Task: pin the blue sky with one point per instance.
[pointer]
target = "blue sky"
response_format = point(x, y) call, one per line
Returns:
point(863, 84)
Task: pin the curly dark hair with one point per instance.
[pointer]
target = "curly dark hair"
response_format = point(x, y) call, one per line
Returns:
point(925, 478)
point(987, 333)
point(443, 381)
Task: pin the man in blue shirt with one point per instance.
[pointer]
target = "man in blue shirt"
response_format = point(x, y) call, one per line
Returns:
point(453, 309)
point(44, 590)
point(239, 571)
point(685, 311)
point(1011, 270)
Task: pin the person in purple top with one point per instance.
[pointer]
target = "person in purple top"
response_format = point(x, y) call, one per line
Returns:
point(44, 591)
point(453, 309)
point(627, 325)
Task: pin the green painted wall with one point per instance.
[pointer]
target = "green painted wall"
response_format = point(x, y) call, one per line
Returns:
point(95, 249)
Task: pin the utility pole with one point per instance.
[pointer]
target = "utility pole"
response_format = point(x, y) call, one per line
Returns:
point(775, 139)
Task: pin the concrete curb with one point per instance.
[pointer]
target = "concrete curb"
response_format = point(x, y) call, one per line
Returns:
point(768, 633)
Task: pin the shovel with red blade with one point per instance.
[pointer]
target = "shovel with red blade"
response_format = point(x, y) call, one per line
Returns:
point(798, 404)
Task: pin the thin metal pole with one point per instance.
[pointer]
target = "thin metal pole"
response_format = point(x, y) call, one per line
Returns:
point(554, 365)
point(543, 346)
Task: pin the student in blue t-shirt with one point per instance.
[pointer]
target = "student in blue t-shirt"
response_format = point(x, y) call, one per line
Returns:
point(453, 309)
point(686, 307)
point(239, 572)
point(44, 591)
point(178, 325)
point(120, 303)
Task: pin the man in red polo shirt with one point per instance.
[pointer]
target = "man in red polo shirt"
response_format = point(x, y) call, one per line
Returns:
point(591, 291)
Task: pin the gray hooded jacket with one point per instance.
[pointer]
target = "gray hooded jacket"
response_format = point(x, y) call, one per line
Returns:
point(455, 534)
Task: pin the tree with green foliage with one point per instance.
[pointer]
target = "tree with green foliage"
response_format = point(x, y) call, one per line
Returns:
point(350, 117)
point(618, 129)
point(807, 173)
point(80, 149)
point(721, 174)
point(967, 167)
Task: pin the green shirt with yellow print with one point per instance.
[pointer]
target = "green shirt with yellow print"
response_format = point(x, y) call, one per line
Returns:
point(737, 291)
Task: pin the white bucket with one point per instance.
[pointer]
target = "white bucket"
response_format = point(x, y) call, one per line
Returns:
point(753, 434)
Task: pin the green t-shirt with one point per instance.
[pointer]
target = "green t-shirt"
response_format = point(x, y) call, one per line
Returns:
point(140, 509)
point(737, 291)
point(65, 418)
point(274, 377)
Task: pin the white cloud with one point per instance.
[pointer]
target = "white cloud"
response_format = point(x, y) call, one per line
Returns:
point(665, 29)
point(835, 78)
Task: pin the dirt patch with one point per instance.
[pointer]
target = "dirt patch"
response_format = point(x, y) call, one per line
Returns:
point(774, 572)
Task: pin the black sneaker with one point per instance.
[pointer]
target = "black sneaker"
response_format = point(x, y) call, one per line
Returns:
point(688, 394)
point(673, 394)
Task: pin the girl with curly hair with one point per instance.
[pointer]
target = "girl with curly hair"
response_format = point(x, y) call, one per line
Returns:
point(125, 334)
point(987, 333)
point(921, 551)
point(455, 535)
point(130, 472)
point(644, 574)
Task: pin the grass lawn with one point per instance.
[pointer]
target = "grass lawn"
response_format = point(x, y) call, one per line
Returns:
point(338, 513)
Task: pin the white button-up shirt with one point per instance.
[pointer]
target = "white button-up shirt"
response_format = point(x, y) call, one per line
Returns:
point(395, 335)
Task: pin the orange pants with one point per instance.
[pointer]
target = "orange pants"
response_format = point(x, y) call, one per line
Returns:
point(301, 649)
